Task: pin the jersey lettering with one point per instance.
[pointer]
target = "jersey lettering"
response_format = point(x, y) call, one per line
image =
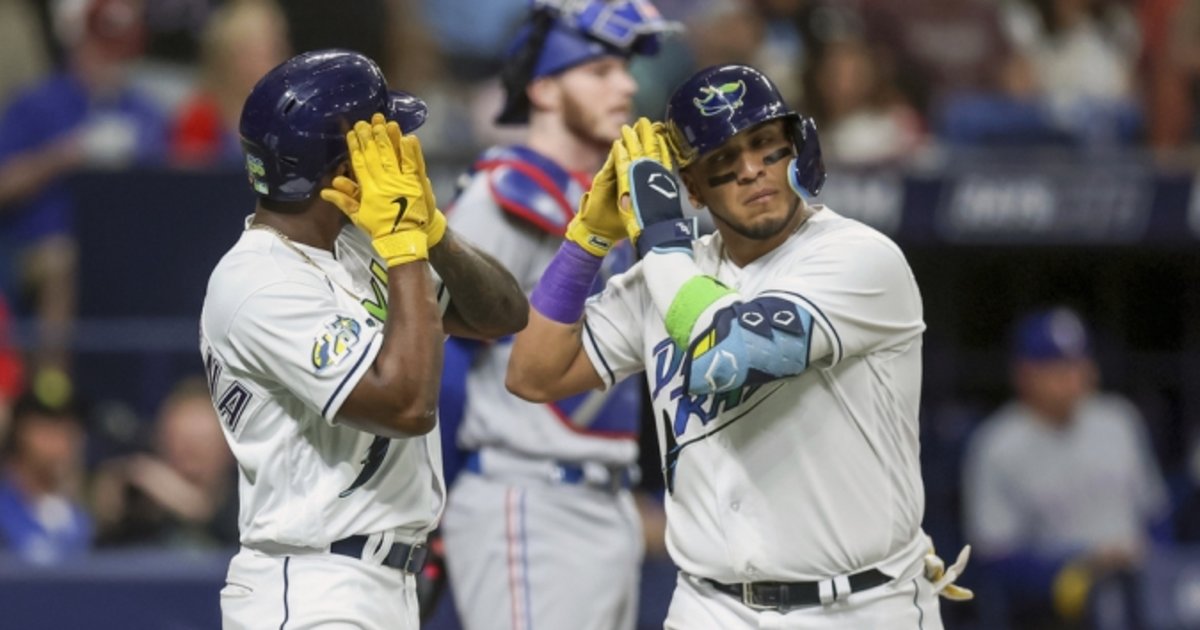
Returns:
point(232, 404)
point(212, 370)
point(668, 363)
point(377, 307)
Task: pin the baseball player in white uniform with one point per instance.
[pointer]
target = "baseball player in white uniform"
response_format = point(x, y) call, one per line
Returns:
point(783, 357)
point(541, 529)
point(322, 343)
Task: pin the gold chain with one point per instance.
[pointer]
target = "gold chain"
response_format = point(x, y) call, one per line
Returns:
point(308, 259)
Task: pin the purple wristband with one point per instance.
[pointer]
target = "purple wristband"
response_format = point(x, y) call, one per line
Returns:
point(566, 283)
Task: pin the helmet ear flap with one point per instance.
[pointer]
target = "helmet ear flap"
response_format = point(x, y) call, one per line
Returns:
point(806, 173)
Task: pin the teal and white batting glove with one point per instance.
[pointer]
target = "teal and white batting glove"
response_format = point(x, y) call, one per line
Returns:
point(656, 208)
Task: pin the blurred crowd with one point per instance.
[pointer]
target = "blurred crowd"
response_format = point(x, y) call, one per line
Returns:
point(104, 84)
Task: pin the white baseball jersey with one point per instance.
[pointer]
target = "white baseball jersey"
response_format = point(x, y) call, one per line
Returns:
point(802, 478)
point(284, 343)
point(523, 234)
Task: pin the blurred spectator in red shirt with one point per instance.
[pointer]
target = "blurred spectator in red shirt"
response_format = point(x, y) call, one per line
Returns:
point(1170, 70)
point(12, 371)
point(242, 41)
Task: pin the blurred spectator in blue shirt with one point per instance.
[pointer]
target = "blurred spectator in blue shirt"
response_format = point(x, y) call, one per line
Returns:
point(83, 115)
point(41, 519)
point(1062, 490)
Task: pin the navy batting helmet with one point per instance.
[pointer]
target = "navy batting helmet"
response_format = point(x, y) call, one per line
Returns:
point(717, 103)
point(294, 122)
point(558, 38)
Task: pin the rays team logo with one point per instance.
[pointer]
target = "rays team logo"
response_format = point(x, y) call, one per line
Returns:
point(722, 99)
point(336, 342)
point(256, 170)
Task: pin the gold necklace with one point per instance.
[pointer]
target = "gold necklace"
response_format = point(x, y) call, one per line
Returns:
point(308, 259)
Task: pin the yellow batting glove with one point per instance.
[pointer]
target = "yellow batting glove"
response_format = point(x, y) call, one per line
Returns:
point(597, 226)
point(391, 205)
point(643, 140)
point(436, 228)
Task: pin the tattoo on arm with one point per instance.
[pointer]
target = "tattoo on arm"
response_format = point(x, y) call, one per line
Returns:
point(483, 293)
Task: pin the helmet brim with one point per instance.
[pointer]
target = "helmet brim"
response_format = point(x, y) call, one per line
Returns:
point(407, 110)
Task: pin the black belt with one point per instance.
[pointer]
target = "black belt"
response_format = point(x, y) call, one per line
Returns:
point(771, 595)
point(407, 558)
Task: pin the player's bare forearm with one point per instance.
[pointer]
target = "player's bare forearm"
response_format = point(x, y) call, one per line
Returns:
point(548, 361)
point(398, 396)
point(485, 300)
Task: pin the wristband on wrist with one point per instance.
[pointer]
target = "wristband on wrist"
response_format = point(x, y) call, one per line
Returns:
point(403, 247)
point(566, 283)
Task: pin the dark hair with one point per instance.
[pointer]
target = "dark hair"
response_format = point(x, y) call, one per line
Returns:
point(29, 405)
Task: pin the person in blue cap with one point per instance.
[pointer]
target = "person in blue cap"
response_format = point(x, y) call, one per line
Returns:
point(1062, 492)
point(541, 529)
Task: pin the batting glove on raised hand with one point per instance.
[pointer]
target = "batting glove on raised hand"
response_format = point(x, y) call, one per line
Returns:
point(597, 226)
point(653, 216)
point(436, 228)
point(643, 140)
point(392, 205)
point(346, 194)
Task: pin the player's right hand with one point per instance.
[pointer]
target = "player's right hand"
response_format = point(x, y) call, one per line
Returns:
point(393, 205)
point(597, 226)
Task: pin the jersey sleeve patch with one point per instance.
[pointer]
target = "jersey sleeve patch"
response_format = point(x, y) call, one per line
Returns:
point(336, 342)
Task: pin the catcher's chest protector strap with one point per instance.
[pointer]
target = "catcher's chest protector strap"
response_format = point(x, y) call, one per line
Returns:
point(532, 187)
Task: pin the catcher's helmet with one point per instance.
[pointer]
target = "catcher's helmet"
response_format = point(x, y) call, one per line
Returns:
point(719, 102)
point(295, 120)
point(562, 34)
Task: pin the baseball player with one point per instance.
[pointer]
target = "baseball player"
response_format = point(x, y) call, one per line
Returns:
point(541, 530)
point(783, 357)
point(323, 346)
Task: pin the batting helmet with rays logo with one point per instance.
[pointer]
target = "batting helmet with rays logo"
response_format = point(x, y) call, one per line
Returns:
point(720, 102)
point(294, 122)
